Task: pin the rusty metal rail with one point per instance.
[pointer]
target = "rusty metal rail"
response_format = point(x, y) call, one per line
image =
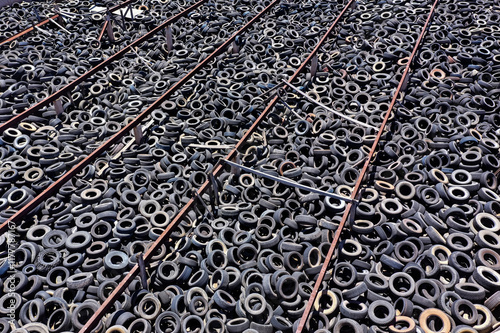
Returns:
point(50, 19)
point(67, 89)
point(103, 29)
point(401, 87)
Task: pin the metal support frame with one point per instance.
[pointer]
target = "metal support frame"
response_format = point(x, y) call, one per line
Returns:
point(31, 110)
point(354, 194)
point(288, 182)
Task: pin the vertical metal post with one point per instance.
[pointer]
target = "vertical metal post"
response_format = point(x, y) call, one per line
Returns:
point(234, 170)
point(109, 30)
point(37, 15)
point(314, 65)
point(60, 20)
point(131, 11)
point(214, 198)
point(236, 46)
point(138, 134)
point(168, 34)
point(142, 267)
point(58, 106)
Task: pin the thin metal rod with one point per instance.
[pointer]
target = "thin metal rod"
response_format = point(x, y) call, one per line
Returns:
point(60, 26)
point(288, 182)
point(345, 216)
point(142, 59)
point(31, 110)
point(163, 238)
point(290, 108)
point(45, 32)
point(195, 145)
point(312, 100)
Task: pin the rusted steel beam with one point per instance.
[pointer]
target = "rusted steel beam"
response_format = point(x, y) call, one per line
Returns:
point(67, 89)
point(357, 186)
point(103, 29)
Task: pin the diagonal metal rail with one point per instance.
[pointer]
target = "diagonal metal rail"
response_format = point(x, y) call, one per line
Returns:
point(67, 89)
point(163, 238)
point(401, 87)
